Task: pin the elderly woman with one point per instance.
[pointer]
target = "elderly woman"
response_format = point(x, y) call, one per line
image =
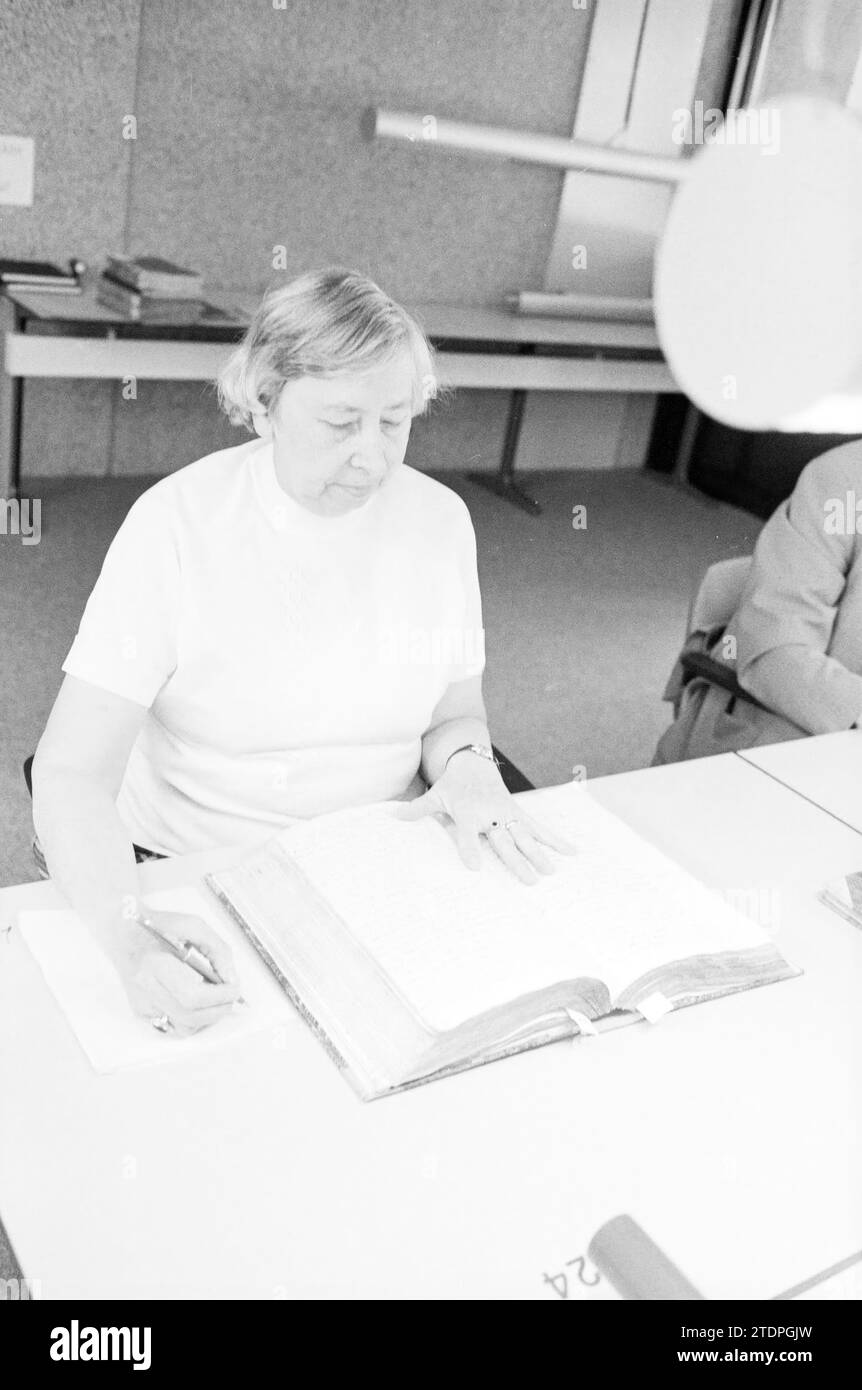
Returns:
point(795, 639)
point(280, 629)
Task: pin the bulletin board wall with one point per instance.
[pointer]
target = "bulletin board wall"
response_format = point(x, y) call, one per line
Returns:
point(246, 140)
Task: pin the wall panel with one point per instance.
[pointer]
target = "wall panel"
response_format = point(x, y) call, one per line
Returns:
point(68, 79)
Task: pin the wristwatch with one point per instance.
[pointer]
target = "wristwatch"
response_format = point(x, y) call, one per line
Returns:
point(481, 749)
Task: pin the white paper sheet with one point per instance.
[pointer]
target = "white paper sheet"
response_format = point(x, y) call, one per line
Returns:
point(91, 996)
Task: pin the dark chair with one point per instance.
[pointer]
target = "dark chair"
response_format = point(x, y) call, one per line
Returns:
point(708, 668)
point(512, 776)
point(712, 608)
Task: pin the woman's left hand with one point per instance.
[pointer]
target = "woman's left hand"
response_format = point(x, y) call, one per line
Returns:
point(472, 794)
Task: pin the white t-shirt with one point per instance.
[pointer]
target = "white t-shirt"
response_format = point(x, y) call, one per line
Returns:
point(289, 663)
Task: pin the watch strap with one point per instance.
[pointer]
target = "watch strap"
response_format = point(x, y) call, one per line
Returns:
point(480, 749)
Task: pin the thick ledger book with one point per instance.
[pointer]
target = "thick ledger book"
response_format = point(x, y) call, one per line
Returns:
point(156, 276)
point(409, 966)
point(844, 896)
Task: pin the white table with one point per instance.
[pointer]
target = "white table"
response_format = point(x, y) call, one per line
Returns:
point(482, 348)
point(730, 1131)
point(826, 770)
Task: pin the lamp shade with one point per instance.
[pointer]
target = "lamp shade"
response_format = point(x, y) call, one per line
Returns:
point(758, 274)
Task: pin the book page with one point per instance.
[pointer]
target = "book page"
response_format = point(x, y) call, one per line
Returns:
point(456, 942)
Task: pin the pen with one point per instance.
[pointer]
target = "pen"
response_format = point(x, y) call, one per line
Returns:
point(185, 951)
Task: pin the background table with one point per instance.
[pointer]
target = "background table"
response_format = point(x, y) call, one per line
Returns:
point(56, 335)
point(730, 1131)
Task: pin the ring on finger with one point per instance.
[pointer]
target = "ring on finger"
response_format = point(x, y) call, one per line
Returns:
point(162, 1023)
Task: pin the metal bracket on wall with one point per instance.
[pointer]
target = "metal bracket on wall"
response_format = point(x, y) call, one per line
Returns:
point(643, 64)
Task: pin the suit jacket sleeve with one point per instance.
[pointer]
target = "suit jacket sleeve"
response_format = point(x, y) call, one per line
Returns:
point(784, 624)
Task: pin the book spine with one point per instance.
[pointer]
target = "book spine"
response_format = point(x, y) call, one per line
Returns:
point(118, 306)
point(109, 280)
point(122, 275)
point(10, 277)
point(302, 1009)
point(45, 287)
point(844, 910)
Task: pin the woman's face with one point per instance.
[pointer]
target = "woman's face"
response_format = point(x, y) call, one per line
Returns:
point(336, 439)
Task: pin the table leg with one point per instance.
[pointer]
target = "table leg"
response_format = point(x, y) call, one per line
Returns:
point(687, 439)
point(11, 402)
point(503, 483)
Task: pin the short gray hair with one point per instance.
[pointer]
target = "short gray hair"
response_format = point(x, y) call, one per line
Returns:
point(324, 323)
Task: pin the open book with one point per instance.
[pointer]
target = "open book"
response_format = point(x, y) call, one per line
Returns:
point(410, 966)
point(844, 896)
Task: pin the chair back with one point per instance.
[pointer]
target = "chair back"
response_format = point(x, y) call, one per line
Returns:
point(718, 596)
point(712, 607)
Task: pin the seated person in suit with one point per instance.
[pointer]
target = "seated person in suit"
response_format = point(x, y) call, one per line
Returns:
point(795, 640)
point(281, 629)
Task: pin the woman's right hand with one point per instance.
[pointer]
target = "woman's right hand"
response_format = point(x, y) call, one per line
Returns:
point(160, 985)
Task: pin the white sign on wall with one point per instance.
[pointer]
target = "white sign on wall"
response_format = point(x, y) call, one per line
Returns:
point(16, 170)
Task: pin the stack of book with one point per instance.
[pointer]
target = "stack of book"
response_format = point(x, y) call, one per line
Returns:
point(38, 275)
point(149, 289)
